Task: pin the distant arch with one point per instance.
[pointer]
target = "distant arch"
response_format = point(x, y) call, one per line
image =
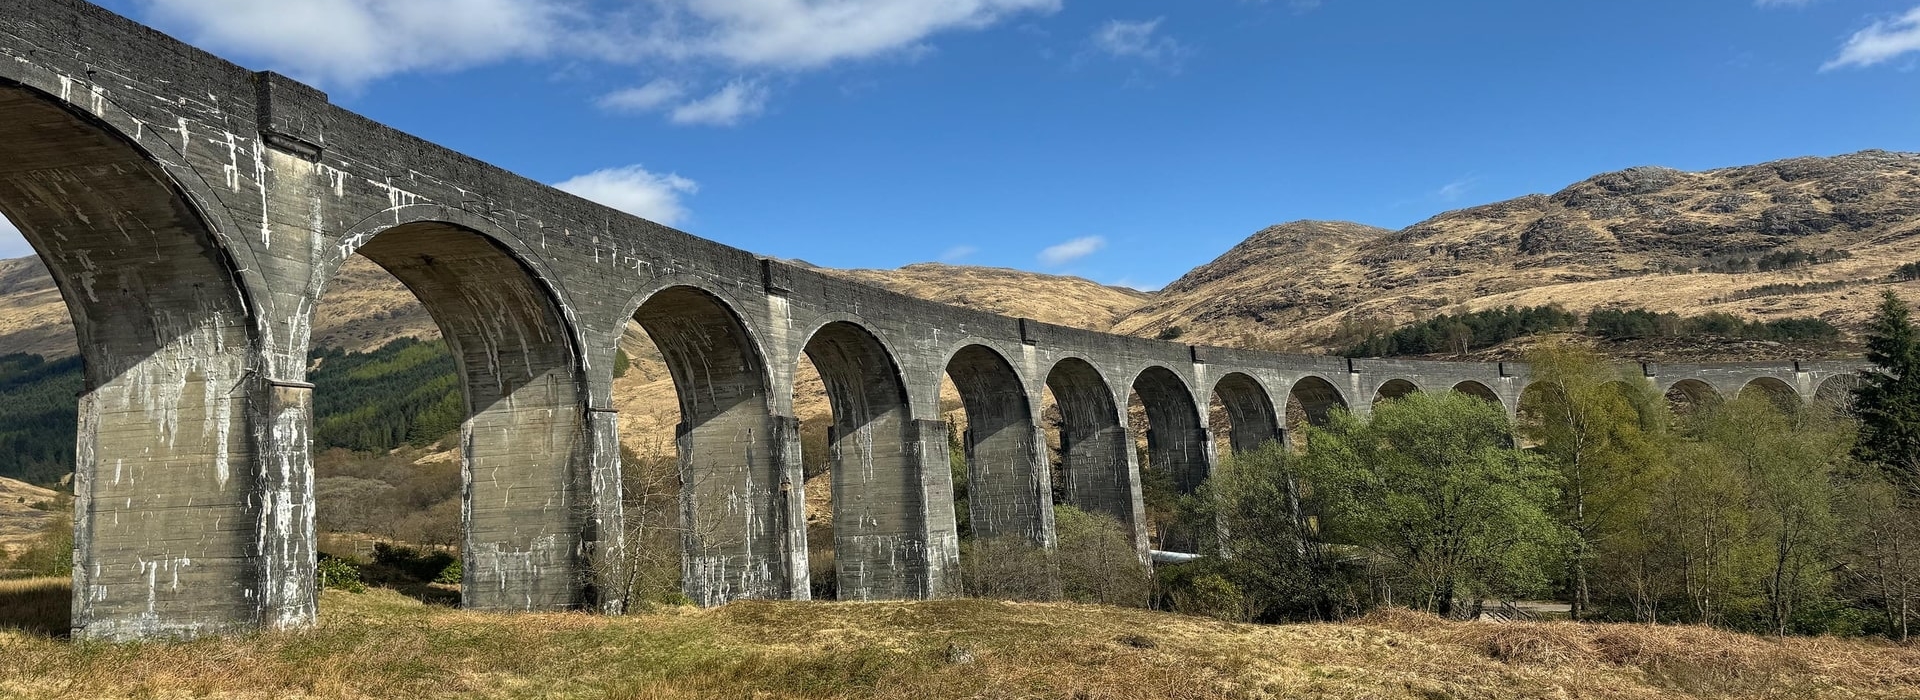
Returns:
point(1315, 398)
point(1477, 390)
point(1780, 393)
point(1395, 389)
point(1688, 396)
point(1095, 473)
point(730, 447)
point(1009, 489)
point(1836, 393)
point(879, 503)
point(1251, 418)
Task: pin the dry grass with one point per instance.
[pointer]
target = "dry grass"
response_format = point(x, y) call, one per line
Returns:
point(382, 644)
point(36, 606)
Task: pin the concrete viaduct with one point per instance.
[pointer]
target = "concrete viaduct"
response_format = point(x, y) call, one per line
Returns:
point(192, 211)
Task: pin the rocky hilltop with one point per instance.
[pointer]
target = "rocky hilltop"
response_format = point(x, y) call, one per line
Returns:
point(1655, 237)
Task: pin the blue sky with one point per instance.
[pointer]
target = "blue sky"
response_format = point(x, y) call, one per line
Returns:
point(1122, 140)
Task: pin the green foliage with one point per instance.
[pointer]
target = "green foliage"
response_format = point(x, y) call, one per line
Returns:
point(1887, 399)
point(1432, 490)
point(1776, 260)
point(621, 362)
point(1169, 333)
point(1907, 272)
point(342, 574)
point(406, 392)
point(1639, 323)
point(1254, 510)
point(1464, 332)
point(452, 575)
point(1097, 559)
point(51, 553)
point(37, 417)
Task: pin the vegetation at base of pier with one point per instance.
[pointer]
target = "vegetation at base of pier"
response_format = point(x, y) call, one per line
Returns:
point(1479, 330)
point(382, 644)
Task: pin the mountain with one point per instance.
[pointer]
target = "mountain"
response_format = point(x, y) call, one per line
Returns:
point(1667, 240)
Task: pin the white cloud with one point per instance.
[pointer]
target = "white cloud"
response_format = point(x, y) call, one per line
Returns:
point(1881, 41)
point(637, 191)
point(1072, 250)
point(12, 244)
point(735, 101)
point(958, 253)
point(1784, 3)
point(350, 42)
point(805, 34)
point(1137, 39)
point(645, 98)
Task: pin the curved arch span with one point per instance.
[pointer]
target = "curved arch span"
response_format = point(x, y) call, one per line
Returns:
point(1394, 389)
point(1315, 398)
point(1251, 418)
point(1779, 393)
point(1095, 470)
point(1009, 489)
point(1689, 395)
point(1478, 391)
point(1176, 443)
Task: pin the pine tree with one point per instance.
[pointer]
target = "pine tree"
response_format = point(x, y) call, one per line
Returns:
point(1888, 397)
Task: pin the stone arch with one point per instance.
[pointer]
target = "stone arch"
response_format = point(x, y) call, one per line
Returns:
point(1315, 398)
point(879, 500)
point(176, 397)
point(1009, 489)
point(1836, 393)
point(1689, 395)
point(730, 447)
point(1095, 470)
point(1250, 415)
point(1176, 441)
point(1394, 389)
point(1479, 391)
point(528, 503)
point(1780, 393)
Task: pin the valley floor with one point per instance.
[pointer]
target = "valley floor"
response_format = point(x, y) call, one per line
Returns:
point(382, 644)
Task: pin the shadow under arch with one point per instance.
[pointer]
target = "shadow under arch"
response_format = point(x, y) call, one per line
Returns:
point(1779, 393)
point(528, 503)
point(1688, 396)
point(1175, 441)
point(1836, 393)
point(1395, 389)
point(880, 503)
point(1311, 401)
point(730, 449)
point(174, 397)
point(1096, 475)
point(1478, 391)
point(1251, 419)
point(1009, 489)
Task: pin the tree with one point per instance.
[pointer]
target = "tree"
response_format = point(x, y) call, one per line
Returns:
point(1431, 487)
point(1887, 400)
point(1606, 437)
point(1275, 557)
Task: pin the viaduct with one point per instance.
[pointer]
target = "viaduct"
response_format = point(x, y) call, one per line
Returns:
point(192, 212)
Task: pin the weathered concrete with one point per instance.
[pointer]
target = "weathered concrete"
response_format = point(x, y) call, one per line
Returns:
point(192, 212)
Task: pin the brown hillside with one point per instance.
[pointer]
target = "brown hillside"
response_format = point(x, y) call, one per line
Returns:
point(1064, 301)
point(1638, 237)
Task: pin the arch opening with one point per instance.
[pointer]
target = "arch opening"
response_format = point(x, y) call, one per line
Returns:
point(167, 436)
point(1835, 393)
point(1250, 418)
point(1689, 396)
point(1478, 391)
point(1001, 467)
point(728, 447)
point(527, 514)
point(1394, 389)
point(1175, 451)
point(1311, 402)
point(880, 548)
point(1094, 473)
point(1777, 392)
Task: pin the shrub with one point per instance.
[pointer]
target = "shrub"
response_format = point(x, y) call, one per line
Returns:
point(452, 575)
point(339, 574)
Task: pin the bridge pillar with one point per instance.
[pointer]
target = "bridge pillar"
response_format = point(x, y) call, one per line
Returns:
point(604, 545)
point(939, 523)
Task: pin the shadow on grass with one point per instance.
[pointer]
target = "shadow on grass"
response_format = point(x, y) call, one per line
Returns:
point(37, 606)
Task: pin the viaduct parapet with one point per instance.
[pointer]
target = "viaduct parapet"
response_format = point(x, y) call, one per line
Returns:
point(192, 213)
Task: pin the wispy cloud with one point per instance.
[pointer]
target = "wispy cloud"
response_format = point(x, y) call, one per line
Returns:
point(734, 102)
point(1453, 191)
point(958, 253)
point(645, 98)
point(637, 191)
point(1072, 250)
point(1881, 41)
point(1784, 3)
point(1139, 40)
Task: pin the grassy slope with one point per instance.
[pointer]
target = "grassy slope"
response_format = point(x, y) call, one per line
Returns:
point(381, 644)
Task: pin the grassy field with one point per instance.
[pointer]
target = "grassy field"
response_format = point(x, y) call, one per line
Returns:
point(382, 644)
